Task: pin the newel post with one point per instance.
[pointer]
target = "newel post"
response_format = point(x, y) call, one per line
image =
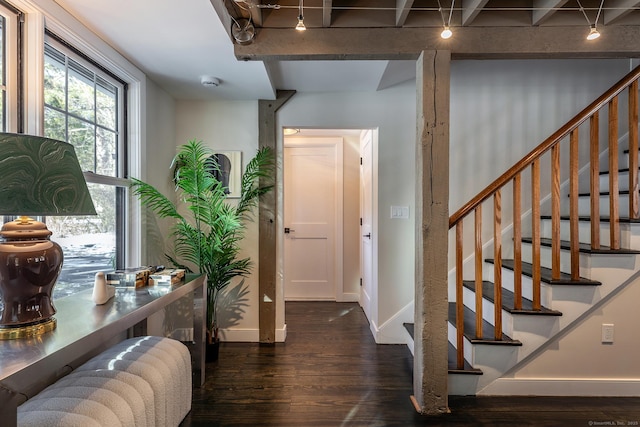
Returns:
point(432, 230)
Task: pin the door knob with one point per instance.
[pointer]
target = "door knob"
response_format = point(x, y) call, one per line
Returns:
point(287, 230)
point(368, 235)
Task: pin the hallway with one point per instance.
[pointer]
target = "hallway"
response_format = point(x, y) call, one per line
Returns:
point(331, 373)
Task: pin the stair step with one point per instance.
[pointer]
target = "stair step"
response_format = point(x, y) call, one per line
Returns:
point(468, 369)
point(508, 300)
point(603, 193)
point(584, 247)
point(586, 218)
point(545, 274)
point(470, 327)
point(452, 356)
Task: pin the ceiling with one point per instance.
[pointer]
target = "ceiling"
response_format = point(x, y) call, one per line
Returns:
point(176, 43)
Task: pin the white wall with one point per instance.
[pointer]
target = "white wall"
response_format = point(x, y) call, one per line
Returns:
point(503, 109)
point(228, 125)
point(157, 155)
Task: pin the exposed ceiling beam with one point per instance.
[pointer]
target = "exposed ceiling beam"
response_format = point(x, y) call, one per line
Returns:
point(471, 9)
point(403, 7)
point(468, 42)
point(224, 15)
point(616, 9)
point(543, 9)
point(327, 5)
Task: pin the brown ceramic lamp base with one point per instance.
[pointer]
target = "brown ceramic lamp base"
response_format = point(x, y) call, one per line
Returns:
point(29, 267)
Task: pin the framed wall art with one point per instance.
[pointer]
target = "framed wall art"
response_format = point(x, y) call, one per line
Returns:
point(228, 171)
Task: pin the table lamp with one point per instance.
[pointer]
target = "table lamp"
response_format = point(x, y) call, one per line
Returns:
point(40, 177)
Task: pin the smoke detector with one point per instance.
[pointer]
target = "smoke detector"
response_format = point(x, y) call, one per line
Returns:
point(210, 81)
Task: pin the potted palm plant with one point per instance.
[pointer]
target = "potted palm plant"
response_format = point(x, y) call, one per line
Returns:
point(207, 237)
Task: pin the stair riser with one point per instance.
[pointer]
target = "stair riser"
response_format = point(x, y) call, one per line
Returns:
point(527, 285)
point(584, 205)
point(488, 313)
point(623, 181)
point(584, 231)
point(565, 259)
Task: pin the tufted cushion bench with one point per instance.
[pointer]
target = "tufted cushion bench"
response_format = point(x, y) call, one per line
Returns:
point(144, 381)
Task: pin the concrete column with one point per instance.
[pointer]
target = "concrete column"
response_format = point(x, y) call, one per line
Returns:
point(432, 230)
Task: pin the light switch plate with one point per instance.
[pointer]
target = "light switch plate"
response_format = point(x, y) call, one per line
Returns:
point(399, 212)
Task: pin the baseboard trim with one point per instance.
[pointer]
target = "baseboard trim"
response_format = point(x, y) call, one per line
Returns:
point(618, 387)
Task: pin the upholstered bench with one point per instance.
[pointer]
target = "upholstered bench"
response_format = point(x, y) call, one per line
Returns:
point(144, 381)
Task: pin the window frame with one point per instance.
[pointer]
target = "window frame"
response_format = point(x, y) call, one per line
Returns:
point(12, 62)
point(120, 182)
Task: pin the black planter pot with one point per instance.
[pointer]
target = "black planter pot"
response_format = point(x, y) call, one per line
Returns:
point(212, 351)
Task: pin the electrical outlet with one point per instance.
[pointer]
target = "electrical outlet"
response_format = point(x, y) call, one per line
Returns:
point(607, 333)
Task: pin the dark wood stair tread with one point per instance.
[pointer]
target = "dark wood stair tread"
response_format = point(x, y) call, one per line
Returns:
point(508, 300)
point(584, 247)
point(451, 356)
point(470, 328)
point(545, 274)
point(604, 193)
point(587, 218)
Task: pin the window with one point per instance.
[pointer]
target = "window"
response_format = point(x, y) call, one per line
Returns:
point(9, 68)
point(84, 105)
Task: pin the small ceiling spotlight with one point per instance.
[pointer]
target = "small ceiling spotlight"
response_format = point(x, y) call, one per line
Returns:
point(300, 25)
point(290, 131)
point(593, 33)
point(446, 33)
point(209, 81)
point(593, 30)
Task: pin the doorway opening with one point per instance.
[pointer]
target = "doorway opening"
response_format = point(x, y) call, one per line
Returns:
point(329, 216)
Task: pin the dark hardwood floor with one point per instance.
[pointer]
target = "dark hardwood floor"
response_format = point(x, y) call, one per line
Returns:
point(330, 372)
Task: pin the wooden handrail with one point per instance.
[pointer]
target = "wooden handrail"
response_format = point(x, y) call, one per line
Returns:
point(545, 146)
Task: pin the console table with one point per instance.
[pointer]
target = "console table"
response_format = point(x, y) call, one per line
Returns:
point(84, 329)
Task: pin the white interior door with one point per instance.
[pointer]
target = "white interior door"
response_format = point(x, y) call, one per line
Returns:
point(366, 215)
point(312, 218)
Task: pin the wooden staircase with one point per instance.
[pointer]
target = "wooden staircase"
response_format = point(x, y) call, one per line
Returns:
point(520, 286)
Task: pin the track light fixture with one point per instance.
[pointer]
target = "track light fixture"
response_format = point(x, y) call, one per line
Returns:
point(446, 32)
point(300, 25)
point(593, 30)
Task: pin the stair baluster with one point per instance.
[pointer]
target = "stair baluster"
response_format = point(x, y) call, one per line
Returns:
point(517, 242)
point(497, 255)
point(459, 306)
point(573, 202)
point(479, 261)
point(613, 174)
point(634, 191)
point(594, 187)
point(555, 212)
point(535, 231)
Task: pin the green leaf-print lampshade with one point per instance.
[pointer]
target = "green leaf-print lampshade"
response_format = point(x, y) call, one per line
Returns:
point(41, 176)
